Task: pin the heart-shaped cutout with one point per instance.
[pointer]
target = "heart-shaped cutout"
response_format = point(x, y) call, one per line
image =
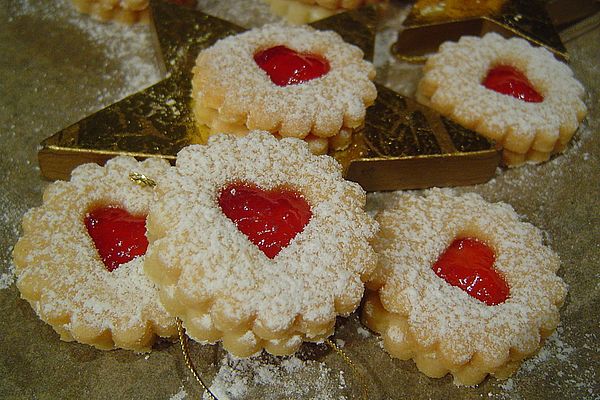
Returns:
point(512, 82)
point(118, 236)
point(288, 67)
point(469, 264)
point(269, 218)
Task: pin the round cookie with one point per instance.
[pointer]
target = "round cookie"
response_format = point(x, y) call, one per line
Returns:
point(290, 81)
point(507, 90)
point(79, 261)
point(124, 11)
point(223, 270)
point(446, 326)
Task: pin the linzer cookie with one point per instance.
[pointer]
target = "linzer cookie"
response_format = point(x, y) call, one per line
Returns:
point(258, 243)
point(125, 11)
point(79, 261)
point(518, 95)
point(290, 81)
point(305, 11)
point(462, 286)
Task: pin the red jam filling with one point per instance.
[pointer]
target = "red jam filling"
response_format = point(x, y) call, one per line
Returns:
point(510, 81)
point(469, 264)
point(119, 236)
point(288, 67)
point(270, 219)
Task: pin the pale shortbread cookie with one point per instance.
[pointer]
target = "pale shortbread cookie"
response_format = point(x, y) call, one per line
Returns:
point(528, 132)
point(232, 94)
point(306, 11)
point(442, 328)
point(61, 274)
point(220, 284)
point(124, 11)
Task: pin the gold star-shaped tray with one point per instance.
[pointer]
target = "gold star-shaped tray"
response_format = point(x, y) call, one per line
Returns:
point(432, 22)
point(403, 144)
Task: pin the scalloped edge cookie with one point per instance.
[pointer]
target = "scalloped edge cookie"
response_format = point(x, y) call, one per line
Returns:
point(60, 273)
point(527, 132)
point(442, 328)
point(232, 94)
point(222, 286)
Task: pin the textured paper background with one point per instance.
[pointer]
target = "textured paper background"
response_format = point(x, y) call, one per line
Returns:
point(57, 67)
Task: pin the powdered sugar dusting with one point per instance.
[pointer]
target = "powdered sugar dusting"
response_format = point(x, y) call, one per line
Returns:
point(60, 272)
point(7, 278)
point(269, 378)
point(181, 395)
point(227, 79)
point(317, 276)
point(122, 45)
point(414, 232)
point(555, 367)
point(527, 131)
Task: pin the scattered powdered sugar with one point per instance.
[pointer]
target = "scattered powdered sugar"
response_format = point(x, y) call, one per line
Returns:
point(181, 395)
point(396, 75)
point(267, 377)
point(362, 332)
point(9, 227)
point(555, 366)
point(7, 278)
point(125, 45)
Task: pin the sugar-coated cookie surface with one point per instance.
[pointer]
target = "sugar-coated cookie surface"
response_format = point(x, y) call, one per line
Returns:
point(221, 284)
point(233, 94)
point(62, 275)
point(125, 11)
point(442, 327)
point(528, 131)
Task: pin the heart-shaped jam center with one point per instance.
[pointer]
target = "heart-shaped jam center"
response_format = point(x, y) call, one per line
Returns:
point(288, 67)
point(510, 81)
point(269, 218)
point(119, 236)
point(469, 264)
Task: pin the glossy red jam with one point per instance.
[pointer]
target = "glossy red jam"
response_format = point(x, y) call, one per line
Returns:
point(469, 264)
point(288, 67)
point(119, 236)
point(270, 219)
point(510, 81)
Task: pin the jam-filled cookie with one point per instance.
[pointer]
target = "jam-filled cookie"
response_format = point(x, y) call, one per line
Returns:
point(305, 11)
point(290, 81)
point(125, 11)
point(462, 286)
point(259, 243)
point(79, 261)
point(507, 90)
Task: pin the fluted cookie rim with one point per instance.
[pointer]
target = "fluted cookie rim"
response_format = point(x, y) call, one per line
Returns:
point(437, 313)
point(225, 288)
point(81, 299)
point(226, 78)
point(528, 132)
